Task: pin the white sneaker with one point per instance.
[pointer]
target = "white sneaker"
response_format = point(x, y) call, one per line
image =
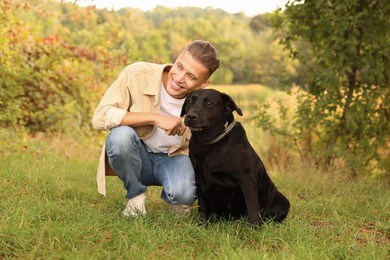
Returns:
point(136, 206)
point(180, 208)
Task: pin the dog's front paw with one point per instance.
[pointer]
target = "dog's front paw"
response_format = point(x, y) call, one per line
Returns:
point(203, 217)
point(256, 220)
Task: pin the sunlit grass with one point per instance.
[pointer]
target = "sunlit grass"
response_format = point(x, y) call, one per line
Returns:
point(50, 209)
point(246, 95)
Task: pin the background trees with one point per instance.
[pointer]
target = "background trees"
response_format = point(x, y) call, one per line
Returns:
point(344, 106)
point(57, 59)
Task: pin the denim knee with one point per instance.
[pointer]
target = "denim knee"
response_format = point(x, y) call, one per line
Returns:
point(121, 140)
point(181, 194)
point(188, 197)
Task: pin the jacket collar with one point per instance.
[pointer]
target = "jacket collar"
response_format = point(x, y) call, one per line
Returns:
point(155, 82)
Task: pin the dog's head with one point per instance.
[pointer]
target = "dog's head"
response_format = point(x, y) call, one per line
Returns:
point(206, 108)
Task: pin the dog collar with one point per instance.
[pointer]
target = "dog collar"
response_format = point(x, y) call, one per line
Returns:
point(224, 133)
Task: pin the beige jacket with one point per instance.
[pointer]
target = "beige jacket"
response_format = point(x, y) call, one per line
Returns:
point(137, 89)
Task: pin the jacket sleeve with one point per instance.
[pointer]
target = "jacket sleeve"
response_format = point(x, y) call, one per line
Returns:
point(114, 104)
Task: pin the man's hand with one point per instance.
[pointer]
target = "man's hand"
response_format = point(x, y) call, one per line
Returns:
point(171, 124)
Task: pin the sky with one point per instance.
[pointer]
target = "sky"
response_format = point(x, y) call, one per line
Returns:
point(249, 7)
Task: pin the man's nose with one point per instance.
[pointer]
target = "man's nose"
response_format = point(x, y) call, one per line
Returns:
point(180, 76)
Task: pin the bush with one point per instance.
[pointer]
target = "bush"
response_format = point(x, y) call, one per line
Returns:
point(47, 85)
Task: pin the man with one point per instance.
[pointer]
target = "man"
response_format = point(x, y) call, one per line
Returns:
point(148, 141)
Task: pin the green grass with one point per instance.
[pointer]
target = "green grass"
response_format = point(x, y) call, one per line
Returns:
point(50, 209)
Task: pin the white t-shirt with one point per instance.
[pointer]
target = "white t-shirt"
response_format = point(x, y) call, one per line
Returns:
point(159, 141)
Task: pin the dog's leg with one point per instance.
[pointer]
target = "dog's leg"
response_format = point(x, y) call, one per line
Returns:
point(278, 210)
point(203, 212)
point(249, 190)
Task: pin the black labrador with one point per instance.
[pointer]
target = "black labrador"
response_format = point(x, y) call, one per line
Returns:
point(231, 179)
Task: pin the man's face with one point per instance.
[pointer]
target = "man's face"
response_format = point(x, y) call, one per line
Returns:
point(186, 75)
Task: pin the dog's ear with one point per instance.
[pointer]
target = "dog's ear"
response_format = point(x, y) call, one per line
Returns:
point(230, 104)
point(184, 107)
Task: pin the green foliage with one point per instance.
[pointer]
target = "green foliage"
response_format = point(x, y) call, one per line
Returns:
point(343, 109)
point(49, 97)
point(9, 87)
point(57, 58)
point(51, 94)
point(46, 83)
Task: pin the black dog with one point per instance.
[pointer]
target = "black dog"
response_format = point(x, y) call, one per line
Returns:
point(231, 179)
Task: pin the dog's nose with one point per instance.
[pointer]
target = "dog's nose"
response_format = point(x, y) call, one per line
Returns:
point(192, 117)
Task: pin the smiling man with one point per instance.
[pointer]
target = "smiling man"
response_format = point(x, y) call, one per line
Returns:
point(148, 141)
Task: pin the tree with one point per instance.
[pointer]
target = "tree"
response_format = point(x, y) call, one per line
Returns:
point(260, 22)
point(344, 108)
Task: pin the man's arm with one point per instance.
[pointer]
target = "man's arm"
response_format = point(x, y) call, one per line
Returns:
point(171, 124)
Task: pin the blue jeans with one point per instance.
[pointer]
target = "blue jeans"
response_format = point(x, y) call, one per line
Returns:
point(139, 168)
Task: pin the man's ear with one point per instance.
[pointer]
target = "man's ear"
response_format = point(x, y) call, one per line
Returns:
point(230, 104)
point(204, 84)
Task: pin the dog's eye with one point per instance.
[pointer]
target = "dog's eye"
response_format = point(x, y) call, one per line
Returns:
point(209, 103)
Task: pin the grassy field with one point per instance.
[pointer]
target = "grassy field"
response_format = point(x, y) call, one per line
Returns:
point(49, 208)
